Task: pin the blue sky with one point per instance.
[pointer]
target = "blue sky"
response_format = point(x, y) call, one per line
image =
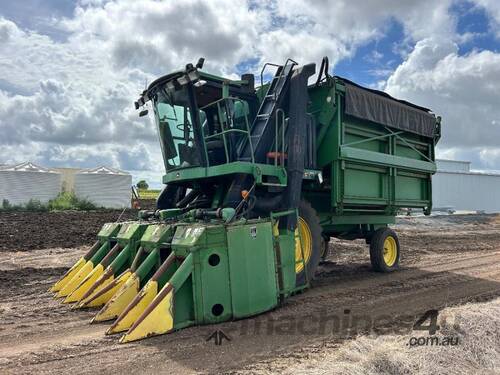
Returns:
point(375, 60)
point(70, 70)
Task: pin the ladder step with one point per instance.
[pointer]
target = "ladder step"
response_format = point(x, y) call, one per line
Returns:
point(269, 105)
point(273, 184)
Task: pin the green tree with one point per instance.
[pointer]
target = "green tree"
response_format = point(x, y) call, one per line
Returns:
point(143, 185)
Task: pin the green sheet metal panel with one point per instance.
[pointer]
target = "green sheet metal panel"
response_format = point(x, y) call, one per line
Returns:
point(252, 268)
point(410, 188)
point(286, 241)
point(109, 230)
point(382, 159)
point(374, 169)
point(210, 278)
point(156, 234)
point(131, 231)
point(358, 138)
point(408, 152)
point(214, 284)
point(364, 183)
point(184, 312)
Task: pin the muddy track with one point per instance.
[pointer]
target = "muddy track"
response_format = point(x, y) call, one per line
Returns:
point(445, 262)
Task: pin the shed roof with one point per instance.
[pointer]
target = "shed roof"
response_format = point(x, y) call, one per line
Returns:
point(27, 167)
point(103, 170)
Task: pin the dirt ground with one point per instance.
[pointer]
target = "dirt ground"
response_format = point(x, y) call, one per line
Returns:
point(446, 261)
point(24, 231)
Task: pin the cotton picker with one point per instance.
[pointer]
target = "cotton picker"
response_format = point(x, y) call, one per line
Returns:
point(258, 179)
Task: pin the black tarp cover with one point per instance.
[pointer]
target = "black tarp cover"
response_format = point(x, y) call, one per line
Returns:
point(381, 108)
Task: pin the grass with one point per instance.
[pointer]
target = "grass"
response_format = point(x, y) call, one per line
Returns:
point(69, 201)
point(148, 194)
point(64, 201)
point(475, 325)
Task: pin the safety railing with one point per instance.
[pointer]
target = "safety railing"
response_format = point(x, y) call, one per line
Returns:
point(227, 124)
point(279, 140)
point(288, 61)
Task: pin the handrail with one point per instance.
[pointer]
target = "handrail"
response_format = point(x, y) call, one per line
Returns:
point(227, 125)
point(276, 65)
point(262, 71)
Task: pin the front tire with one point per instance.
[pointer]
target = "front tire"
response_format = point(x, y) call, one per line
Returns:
point(310, 232)
point(385, 250)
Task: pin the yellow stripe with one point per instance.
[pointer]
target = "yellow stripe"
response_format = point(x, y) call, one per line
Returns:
point(76, 280)
point(68, 275)
point(157, 322)
point(85, 285)
point(144, 298)
point(98, 298)
point(120, 300)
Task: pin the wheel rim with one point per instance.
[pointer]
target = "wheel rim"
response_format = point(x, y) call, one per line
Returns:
point(390, 251)
point(305, 246)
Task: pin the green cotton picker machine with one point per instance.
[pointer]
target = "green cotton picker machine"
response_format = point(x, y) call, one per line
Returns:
point(258, 179)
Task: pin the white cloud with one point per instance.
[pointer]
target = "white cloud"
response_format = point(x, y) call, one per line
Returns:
point(8, 29)
point(355, 21)
point(161, 36)
point(464, 90)
point(70, 104)
point(69, 101)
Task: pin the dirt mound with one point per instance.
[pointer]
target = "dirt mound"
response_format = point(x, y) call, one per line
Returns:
point(40, 230)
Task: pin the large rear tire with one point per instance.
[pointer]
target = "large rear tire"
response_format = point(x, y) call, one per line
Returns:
point(312, 243)
point(384, 250)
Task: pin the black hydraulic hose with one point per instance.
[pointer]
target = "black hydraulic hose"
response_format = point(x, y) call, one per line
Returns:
point(203, 202)
point(169, 196)
point(268, 204)
point(188, 198)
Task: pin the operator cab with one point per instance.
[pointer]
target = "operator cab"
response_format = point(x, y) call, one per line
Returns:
point(200, 118)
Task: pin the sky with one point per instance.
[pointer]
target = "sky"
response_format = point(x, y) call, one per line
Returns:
point(71, 70)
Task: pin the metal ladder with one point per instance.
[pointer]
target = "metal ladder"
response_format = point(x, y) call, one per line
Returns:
point(266, 111)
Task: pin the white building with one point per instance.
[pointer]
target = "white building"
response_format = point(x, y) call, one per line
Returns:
point(456, 187)
point(104, 186)
point(25, 181)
